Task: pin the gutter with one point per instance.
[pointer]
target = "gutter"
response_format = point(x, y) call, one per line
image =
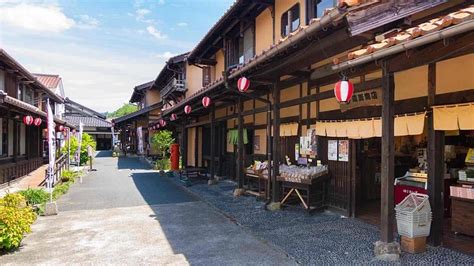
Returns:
point(420, 41)
point(312, 29)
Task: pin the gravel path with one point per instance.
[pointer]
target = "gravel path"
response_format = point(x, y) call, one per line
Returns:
point(320, 238)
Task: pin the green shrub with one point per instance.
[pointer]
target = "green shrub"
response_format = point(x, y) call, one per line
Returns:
point(87, 140)
point(61, 189)
point(69, 176)
point(15, 220)
point(35, 196)
point(163, 164)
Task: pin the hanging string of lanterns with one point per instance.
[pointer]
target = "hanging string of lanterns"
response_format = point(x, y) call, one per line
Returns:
point(28, 120)
point(206, 101)
point(173, 117)
point(187, 109)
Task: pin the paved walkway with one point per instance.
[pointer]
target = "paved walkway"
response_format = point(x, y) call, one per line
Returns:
point(124, 213)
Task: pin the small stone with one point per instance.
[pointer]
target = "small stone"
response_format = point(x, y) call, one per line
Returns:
point(274, 206)
point(51, 208)
point(211, 182)
point(239, 192)
point(387, 251)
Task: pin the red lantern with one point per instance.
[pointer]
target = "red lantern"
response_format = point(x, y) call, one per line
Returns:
point(206, 101)
point(28, 120)
point(157, 126)
point(162, 123)
point(37, 122)
point(173, 117)
point(243, 84)
point(343, 91)
point(60, 128)
point(187, 109)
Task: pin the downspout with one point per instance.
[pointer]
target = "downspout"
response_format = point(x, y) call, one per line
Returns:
point(402, 47)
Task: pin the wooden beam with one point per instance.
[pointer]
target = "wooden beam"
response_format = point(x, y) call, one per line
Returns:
point(388, 157)
point(276, 143)
point(438, 51)
point(213, 136)
point(240, 145)
point(435, 157)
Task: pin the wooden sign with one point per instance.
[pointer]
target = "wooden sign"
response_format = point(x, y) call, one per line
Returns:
point(364, 98)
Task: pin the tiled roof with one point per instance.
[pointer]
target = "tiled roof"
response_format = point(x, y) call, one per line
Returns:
point(87, 121)
point(49, 80)
point(412, 33)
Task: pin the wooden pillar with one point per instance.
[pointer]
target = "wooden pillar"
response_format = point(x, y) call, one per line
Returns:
point(388, 157)
point(435, 154)
point(276, 143)
point(213, 142)
point(240, 145)
point(184, 144)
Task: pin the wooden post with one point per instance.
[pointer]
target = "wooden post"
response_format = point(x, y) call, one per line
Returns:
point(435, 154)
point(276, 142)
point(213, 136)
point(388, 156)
point(184, 144)
point(240, 145)
point(269, 147)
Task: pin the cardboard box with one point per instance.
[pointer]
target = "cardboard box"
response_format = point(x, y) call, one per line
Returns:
point(413, 245)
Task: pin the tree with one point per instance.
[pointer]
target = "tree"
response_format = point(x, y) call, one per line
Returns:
point(162, 141)
point(87, 140)
point(126, 109)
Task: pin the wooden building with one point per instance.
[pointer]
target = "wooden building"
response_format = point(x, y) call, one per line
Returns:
point(409, 61)
point(22, 94)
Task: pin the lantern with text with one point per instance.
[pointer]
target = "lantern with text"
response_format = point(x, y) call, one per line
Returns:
point(28, 120)
point(243, 84)
point(173, 117)
point(343, 91)
point(206, 101)
point(37, 122)
point(187, 109)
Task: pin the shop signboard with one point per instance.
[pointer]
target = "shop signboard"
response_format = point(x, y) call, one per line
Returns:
point(332, 150)
point(371, 97)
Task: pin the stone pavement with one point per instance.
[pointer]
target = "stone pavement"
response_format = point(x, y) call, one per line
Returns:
point(317, 239)
point(124, 213)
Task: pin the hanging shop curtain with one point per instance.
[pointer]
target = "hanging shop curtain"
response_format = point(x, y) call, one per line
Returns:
point(416, 124)
point(321, 129)
point(460, 117)
point(341, 130)
point(331, 129)
point(466, 117)
point(378, 128)
point(366, 129)
point(288, 130)
point(353, 130)
point(400, 126)
point(233, 136)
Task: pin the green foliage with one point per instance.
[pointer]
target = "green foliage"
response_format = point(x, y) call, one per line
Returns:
point(35, 196)
point(87, 140)
point(126, 109)
point(163, 164)
point(162, 141)
point(69, 176)
point(61, 189)
point(15, 220)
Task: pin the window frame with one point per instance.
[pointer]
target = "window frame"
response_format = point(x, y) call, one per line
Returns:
point(286, 20)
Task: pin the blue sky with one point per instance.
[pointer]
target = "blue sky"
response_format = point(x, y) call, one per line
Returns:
point(103, 48)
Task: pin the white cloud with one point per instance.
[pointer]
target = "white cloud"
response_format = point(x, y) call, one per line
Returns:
point(183, 24)
point(155, 33)
point(87, 22)
point(165, 55)
point(36, 18)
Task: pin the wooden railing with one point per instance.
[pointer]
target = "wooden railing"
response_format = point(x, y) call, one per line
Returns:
point(13, 170)
point(61, 164)
point(173, 85)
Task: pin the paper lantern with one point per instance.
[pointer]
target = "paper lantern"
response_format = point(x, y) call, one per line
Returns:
point(173, 117)
point(343, 91)
point(243, 84)
point(162, 123)
point(157, 126)
point(60, 128)
point(187, 109)
point(28, 120)
point(206, 101)
point(37, 122)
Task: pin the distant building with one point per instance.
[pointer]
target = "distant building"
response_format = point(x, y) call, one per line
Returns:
point(55, 84)
point(94, 123)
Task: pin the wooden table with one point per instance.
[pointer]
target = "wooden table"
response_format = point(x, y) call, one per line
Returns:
point(261, 181)
point(462, 215)
point(303, 189)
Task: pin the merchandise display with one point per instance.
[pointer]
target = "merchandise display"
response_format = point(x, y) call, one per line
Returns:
point(298, 174)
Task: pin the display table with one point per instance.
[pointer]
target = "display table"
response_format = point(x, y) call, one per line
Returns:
point(303, 189)
point(462, 215)
point(260, 180)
